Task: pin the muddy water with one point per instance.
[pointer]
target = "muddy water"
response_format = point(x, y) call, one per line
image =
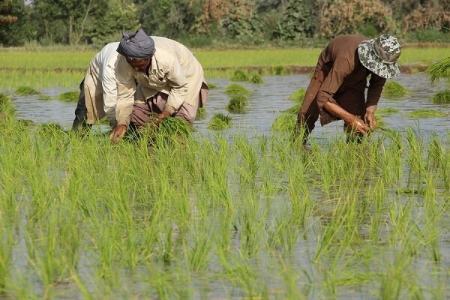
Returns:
point(266, 103)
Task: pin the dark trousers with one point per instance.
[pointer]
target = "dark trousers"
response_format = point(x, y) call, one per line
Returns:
point(80, 111)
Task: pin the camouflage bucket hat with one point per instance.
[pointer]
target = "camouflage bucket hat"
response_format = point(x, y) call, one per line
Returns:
point(380, 55)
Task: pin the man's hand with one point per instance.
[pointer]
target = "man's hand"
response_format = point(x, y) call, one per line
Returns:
point(162, 116)
point(118, 133)
point(369, 117)
point(358, 125)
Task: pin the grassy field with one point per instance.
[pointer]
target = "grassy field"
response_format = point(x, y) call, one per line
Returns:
point(40, 68)
point(221, 218)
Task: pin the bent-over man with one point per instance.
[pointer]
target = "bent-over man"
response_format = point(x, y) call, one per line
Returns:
point(98, 90)
point(337, 88)
point(156, 75)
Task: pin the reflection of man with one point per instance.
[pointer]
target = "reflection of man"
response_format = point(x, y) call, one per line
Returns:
point(98, 92)
point(337, 88)
point(156, 75)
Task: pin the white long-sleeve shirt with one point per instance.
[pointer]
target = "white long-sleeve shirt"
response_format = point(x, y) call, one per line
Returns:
point(103, 67)
point(174, 70)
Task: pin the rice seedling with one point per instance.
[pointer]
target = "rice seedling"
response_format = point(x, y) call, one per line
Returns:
point(26, 91)
point(201, 113)
point(298, 96)
point(239, 75)
point(6, 105)
point(69, 96)
point(442, 97)
point(426, 113)
point(440, 69)
point(394, 90)
point(237, 104)
point(388, 111)
point(221, 217)
point(285, 122)
point(236, 89)
point(255, 78)
point(219, 122)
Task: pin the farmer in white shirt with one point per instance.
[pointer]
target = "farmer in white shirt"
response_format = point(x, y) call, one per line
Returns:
point(98, 90)
point(156, 75)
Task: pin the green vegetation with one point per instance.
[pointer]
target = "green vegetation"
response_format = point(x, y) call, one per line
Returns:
point(442, 97)
point(427, 113)
point(368, 217)
point(394, 90)
point(440, 69)
point(237, 104)
point(219, 122)
point(255, 78)
point(239, 75)
point(298, 96)
point(201, 113)
point(285, 122)
point(6, 105)
point(64, 67)
point(26, 91)
point(236, 89)
point(387, 111)
point(69, 96)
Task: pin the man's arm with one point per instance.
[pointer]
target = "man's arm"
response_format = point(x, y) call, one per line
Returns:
point(353, 121)
point(376, 84)
point(126, 87)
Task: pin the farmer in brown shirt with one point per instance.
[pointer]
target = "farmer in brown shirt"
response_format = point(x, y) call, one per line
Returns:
point(337, 88)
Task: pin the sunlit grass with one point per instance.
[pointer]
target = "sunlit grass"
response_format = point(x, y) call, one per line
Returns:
point(198, 216)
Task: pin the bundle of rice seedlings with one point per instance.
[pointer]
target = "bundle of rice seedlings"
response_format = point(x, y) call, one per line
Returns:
point(219, 122)
point(69, 96)
point(237, 104)
point(239, 75)
point(394, 90)
point(26, 91)
point(236, 89)
point(442, 97)
point(255, 78)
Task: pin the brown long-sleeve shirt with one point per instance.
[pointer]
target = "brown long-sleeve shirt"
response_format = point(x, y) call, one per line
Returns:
point(345, 72)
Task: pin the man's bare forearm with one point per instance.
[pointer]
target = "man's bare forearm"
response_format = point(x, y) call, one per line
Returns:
point(338, 111)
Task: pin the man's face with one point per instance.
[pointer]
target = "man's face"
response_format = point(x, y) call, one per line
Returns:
point(139, 64)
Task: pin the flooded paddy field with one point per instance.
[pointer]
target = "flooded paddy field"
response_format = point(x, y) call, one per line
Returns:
point(242, 213)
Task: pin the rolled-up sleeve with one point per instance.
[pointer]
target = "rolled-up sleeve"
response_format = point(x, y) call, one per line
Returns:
point(332, 82)
point(126, 87)
point(178, 87)
point(376, 84)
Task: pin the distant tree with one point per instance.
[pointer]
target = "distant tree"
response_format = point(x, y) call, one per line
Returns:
point(86, 21)
point(13, 23)
point(351, 16)
point(171, 18)
point(297, 21)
